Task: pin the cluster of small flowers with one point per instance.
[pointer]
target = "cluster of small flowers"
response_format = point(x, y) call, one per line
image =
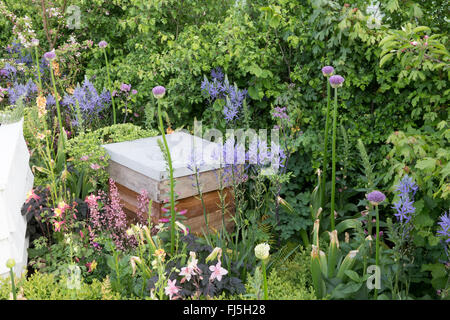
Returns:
point(220, 88)
point(89, 101)
point(192, 270)
point(22, 27)
point(444, 231)
point(404, 206)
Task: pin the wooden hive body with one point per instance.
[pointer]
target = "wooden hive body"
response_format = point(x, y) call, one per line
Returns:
point(138, 165)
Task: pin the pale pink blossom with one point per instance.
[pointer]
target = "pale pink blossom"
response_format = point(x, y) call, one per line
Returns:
point(187, 272)
point(171, 288)
point(217, 272)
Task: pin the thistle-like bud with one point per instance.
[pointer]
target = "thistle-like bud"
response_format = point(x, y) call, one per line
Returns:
point(217, 252)
point(10, 263)
point(347, 263)
point(262, 251)
point(316, 272)
point(333, 252)
point(316, 232)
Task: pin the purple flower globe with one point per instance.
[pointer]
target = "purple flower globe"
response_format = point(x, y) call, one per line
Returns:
point(125, 87)
point(103, 44)
point(159, 92)
point(336, 81)
point(327, 71)
point(50, 55)
point(376, 197)
point(34, 42)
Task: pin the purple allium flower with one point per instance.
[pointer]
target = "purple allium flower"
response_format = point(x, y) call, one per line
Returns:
point(125, 87)
point(34, 42)
point(159, 92)
point(50, 55)
point(336, 81)
point(103, 44)
point(376, 197)
point(444, 223)
point(134, 91)
point(327, 71)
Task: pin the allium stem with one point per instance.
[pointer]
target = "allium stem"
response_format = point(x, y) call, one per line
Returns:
point(172, 193)
point(377, 246)
point(38, 69)
point(325, 147)
point(266, 294)
point(58, 110)
point(13, 285)
point(333, 172)
point(110, 87)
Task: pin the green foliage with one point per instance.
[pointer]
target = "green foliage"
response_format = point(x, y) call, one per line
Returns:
point(40, 286)
point(89, 145)
point(289, 280)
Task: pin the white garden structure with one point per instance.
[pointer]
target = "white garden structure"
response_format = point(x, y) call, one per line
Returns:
point(16, 180)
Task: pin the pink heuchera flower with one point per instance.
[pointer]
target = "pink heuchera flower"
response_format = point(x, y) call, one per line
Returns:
point(217, 272)
point(171, 288)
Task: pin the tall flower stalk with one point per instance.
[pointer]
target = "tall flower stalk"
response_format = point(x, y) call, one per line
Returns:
point(327, 71)
point(103, 44)
point(262, 253)
point(375, 198)
point(10, 265)
point(336, 82)
point(50, 56)
point(158, 93)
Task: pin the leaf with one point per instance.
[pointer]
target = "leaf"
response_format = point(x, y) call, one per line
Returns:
point(352, 275)
point(275, 21)
point(348, 224)
point(343, 291)
point(437, 269)
point(385, 58)
point(421, 28)
point(426, 164)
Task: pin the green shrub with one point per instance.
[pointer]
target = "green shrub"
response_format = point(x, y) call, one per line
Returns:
point(41, 286)
point(90, 145)
point(287, 280)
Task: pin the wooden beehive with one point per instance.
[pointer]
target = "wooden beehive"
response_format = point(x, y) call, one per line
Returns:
point(139, 165)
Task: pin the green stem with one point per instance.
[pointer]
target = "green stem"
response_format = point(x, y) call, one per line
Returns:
point(325, 146)
point(13, 285)
point(377, 246)
point(333, 169)
point(58, 110)
point(172, 193)
point(110, 87)
point(266, 295)
point(38, 69)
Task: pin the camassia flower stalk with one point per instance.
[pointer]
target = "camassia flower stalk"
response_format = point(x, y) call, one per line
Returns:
point(336, 82)
point(327, 72)
point(375, 198)
point(103, 44)
point(158, 93)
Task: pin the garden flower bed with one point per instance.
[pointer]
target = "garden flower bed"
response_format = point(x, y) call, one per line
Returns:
point(233, 150)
